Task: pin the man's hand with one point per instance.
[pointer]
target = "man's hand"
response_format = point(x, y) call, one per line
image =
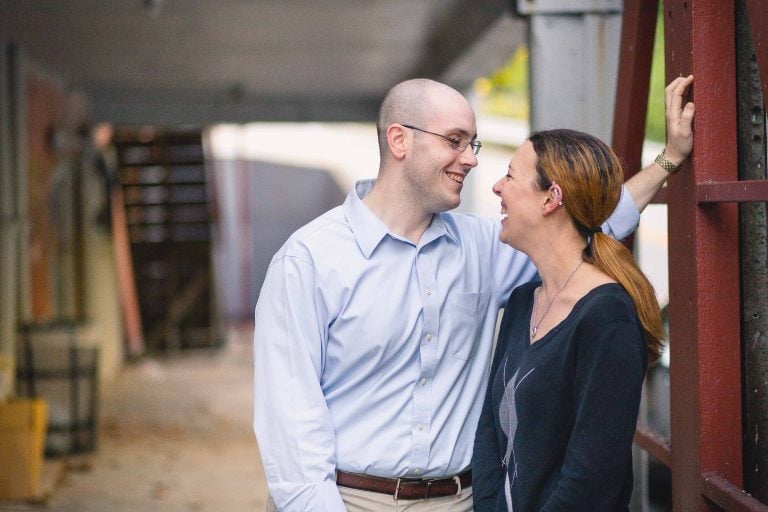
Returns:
point(679, 119)
point(646, 183)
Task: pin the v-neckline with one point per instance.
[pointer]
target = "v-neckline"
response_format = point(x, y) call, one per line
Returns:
point(578, 305)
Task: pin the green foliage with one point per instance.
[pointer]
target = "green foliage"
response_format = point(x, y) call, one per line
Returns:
point(654, 124)
point(505, 92)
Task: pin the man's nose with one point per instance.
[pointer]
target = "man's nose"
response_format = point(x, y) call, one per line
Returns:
point(468, 156)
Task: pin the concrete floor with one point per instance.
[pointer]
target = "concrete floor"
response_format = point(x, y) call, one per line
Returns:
point(175, 435)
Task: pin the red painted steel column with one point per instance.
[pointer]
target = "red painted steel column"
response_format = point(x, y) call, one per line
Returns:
point(704, 265)
point(638, 27)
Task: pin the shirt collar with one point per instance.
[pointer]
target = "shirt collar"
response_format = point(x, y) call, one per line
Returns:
point(369, 230)
point(439, 227)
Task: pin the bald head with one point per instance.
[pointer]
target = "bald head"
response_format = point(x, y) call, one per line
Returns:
point(411, 102)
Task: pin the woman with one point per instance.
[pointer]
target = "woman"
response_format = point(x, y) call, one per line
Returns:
point(561, 407)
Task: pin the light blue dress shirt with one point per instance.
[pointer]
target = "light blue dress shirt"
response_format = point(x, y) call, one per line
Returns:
point(371, 352)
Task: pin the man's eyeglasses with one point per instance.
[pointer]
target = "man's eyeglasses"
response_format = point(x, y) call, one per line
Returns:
point(457, 144)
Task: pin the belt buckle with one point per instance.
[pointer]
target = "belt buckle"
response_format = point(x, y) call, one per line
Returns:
point(396, 496)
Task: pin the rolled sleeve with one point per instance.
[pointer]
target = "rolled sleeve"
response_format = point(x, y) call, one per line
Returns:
point(624, 219)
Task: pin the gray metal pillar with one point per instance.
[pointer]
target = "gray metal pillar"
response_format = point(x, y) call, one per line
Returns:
point(753, 150)
point(12, 181)
point(640, 500)
point(574, 52)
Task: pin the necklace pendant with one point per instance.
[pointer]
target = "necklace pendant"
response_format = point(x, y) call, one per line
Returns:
point(533, 331)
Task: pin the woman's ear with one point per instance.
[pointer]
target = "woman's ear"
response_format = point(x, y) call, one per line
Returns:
point(396, 140)
point(554, 198)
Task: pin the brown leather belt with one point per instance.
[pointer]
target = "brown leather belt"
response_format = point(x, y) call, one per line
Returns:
point(407, 488)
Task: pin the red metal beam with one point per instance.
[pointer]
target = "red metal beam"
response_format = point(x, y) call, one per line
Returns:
point(705, 367)
point(129, 299)
point(733, 191)
point(661, 196)
point(654, 444)
point(757, 12)
point(727, 496)
point(638, 27)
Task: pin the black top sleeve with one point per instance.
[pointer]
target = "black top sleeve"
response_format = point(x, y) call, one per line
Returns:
point(488, 472)
point(487, 454)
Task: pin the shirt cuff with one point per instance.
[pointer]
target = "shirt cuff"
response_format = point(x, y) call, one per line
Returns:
point(319, 497)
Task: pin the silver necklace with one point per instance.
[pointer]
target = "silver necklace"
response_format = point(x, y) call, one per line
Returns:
point(535, 325)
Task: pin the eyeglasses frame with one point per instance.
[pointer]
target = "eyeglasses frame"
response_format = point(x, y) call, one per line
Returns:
point(474, 144)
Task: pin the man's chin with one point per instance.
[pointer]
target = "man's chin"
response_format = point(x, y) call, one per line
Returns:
point(451, 205)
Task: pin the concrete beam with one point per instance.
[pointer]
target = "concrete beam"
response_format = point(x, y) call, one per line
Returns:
point(201, 108)
point(573, 67)
point(453, 33)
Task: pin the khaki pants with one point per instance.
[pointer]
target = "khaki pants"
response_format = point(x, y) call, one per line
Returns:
point(366, 501)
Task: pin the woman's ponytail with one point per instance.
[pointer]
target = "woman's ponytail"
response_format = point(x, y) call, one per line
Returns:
point(590, 174)
point(613, 258)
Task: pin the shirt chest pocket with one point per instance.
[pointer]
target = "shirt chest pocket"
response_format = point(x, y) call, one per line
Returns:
point(464, 322)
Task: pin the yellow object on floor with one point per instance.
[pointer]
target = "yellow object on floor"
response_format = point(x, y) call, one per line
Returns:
point(23, 425)
point(7, 374)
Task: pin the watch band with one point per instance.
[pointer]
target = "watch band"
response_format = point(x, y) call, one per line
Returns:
point(666, 164)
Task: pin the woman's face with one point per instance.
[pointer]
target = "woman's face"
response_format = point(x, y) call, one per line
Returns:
point(521, 200)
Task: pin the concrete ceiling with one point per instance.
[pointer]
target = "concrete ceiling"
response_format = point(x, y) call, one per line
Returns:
point(203, 61)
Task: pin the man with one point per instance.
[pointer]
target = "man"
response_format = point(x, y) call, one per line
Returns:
point(374, 327)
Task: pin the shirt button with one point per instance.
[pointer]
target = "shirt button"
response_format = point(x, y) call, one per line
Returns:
point(423, 382)
point(429, 337)
point(428, 291)
point(419, 427)
point(417, 471)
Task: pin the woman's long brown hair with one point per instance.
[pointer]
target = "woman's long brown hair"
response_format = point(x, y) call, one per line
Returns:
point(590, 175)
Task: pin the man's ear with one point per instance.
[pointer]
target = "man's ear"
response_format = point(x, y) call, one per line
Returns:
point(396, 140)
